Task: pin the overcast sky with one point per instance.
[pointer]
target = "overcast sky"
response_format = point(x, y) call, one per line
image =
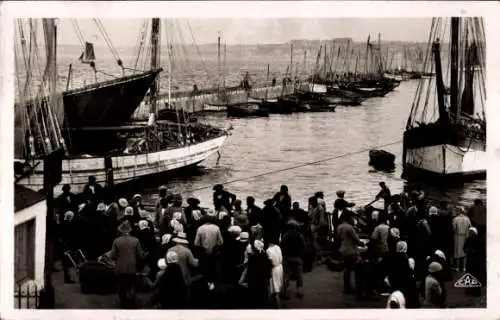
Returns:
point(251, 31)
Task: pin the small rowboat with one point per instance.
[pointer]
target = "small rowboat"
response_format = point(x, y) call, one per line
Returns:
point(381, 159)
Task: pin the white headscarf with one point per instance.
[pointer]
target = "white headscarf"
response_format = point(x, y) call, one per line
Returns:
point(433, 211)
point(177, 216)
point(398, 297)
point(166, 238)
point(69, 215)
point(411, 263)
point(440, 254)
point(129, 211)
point(258, 245)
point(162, 264)
point(172, 257)
point(143, 224)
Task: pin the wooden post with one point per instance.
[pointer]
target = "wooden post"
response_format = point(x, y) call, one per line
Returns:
point(52, 177)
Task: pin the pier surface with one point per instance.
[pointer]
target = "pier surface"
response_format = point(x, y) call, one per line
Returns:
point(322, 290)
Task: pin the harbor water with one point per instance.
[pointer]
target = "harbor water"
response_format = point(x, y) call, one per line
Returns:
point(263, 153)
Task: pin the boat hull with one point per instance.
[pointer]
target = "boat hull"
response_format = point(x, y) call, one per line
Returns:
point(247, 110)
point(209, 107)
point(125, 168)
point(445, 150)
point(445, 162)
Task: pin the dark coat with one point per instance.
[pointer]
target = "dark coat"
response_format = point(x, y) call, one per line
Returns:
point(284, 204)
point(293, 245)
point(254, 215)
point(94, 196)
point(172, 292)
point(258, 275)
point(272, 222)
point(128, 254)
point(69, 235)
point(401, 278)
point(67, 202)
point(224, 199)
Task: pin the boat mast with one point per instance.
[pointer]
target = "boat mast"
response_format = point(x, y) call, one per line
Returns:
point(267, 80)
point(443, 116)
point(224, 67)
point(218, 66)
point(454, 67)
point(155, 31)
point(324, 62)
point(291, 66)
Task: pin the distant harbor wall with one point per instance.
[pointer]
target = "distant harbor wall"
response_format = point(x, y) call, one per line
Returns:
point(194, 102)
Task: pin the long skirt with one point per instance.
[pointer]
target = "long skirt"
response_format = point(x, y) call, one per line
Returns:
point(459, 246)
point(276, 280)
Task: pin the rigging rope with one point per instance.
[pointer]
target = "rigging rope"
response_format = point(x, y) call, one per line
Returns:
point(301, 165)
point(108, 41)
point(78, 32)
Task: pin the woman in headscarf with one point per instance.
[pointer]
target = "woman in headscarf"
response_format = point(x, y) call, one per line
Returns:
point(461, 225)
point(231, 255)
point(276, 281)
point(434, 225)
point(440, 257)
point(434, 296)
point(258, 275)
point(396, 300)
point(400, 275)
point(159, 253)
point(172, 290)
point(122, 205)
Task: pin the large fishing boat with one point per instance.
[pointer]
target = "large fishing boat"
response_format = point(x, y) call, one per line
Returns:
point(106, 144)
point(448, 139)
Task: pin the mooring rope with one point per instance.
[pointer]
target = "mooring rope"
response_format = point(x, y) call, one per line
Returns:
point(301, 165)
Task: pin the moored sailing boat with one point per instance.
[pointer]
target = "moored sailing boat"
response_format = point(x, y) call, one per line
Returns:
point(453, 144)
point(114, 152)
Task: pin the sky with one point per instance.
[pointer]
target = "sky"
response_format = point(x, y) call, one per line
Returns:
point(251, 31)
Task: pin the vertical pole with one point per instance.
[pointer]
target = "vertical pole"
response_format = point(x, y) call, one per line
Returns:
point(291, 66)
point(48, 293)
point(454, 67)
point(155, 30)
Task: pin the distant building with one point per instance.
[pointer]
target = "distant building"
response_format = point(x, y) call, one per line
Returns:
point(29, 245)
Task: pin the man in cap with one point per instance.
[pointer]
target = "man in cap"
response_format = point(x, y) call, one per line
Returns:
point(283, 202)
point(92, 190)
point(67, 201)
point(223, 200)
point(253, 211)
point(293, 247)
point(128, 254)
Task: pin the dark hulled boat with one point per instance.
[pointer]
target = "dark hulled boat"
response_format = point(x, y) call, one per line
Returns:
point(247, 109)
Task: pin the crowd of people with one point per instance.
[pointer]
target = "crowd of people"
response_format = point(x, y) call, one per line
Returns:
point(185, 254)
